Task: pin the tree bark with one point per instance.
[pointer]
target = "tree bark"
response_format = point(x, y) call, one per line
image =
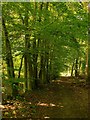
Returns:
point(76, 68)
point(72, 69)
point(27, 57)
point(20, 67)
point(9, 58)
point(88, 52)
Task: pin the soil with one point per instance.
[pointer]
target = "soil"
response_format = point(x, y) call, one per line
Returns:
point(59, 99)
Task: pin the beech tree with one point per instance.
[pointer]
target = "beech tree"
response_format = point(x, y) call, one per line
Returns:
point(42, 40)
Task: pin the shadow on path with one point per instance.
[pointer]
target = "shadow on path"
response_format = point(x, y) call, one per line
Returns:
point(61, 100)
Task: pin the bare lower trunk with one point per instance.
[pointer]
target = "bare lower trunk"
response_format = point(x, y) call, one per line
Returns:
point(9, 58)
point(20, 67)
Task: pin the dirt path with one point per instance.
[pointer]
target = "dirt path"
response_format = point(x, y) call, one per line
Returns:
point(62, 101)
point(58, 100)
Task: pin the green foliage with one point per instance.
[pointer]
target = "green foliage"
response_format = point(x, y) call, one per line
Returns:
point(51, 35)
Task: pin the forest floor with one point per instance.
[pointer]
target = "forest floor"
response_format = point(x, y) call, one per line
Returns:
point(60, 99)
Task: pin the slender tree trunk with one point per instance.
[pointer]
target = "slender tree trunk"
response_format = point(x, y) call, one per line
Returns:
point(42, 71)
point(9, 58)
point(87, 62)
point(47, 66)
point(30, 74)
point(20, 67)
point(51, 64)
point(27, 58)
point(76, 68)
point(35, 54)
point(79, 72)
point(88, 52)
point(46, 62)
point(47, 53)
point(44, 55)
point(72, 69)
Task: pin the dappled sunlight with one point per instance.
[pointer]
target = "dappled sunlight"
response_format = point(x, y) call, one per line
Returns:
point(61, 81)
point(29, 103)
point(10, 107)
point(56, 80)
point(46, 117)
point(2, 107)
point(42, 104)
point(65, 74)
point(7, 107)
point(49, 105)
point(45, 69)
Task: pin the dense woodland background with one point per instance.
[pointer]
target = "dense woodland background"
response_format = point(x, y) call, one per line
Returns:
point(44, 42)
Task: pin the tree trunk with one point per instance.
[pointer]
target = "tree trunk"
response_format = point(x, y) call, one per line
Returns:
point(47, 67)
point(79, 70)
point(76, 68)
point(35, 54)
point(9, 58)
point(86, 62)
point(44, 55)
point(88, 52)
point(42, 69)
point(27, 57)
point(20, 67)
point(47, 53)
point(72, 69)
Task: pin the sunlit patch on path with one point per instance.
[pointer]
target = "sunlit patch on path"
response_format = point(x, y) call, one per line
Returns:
point(49, 105)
